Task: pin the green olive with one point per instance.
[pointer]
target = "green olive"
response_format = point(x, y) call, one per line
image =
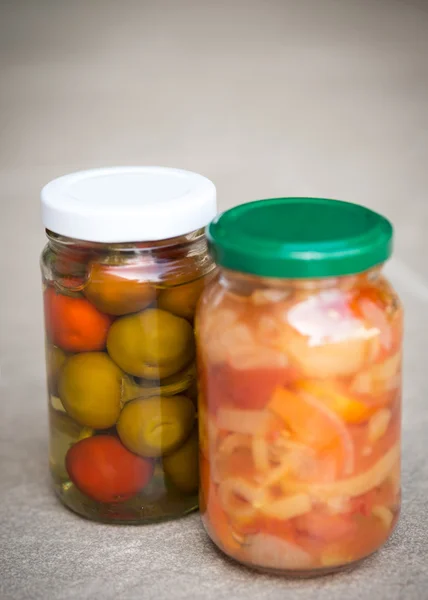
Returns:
point(90, 388)
point(55, 358)
point(157, 425)
point(182, 465)
point(118, 290)
point(153, 344)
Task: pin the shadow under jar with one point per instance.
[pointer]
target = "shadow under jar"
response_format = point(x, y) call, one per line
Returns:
point(120, 345)
point(299, 353)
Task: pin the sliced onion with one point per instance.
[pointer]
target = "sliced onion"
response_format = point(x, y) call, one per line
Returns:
point(260, 451)
point(233, 442)
point(257, 357)
point(353, 486)
point(376, 317)
point(250, 422)
point(378, 424)
point(384, 514)
point(288, 507)
point(277, 473)
point(345, 438)
point(239, 498)
point(379, 378)
point(267, 550)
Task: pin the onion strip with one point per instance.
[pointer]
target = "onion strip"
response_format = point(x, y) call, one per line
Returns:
point(260, 450)
point(249, 422)
point(288, 508)
point(239, 498)
point(266, 550)
point(233, 442)
point(353, 486)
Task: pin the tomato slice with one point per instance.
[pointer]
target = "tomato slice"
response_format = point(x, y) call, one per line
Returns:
point(384, 495)
point(348, 408)
point(245, 388)
point(281, 528)
point(326, 527)
point(380, 308)
point(314, 425)
point(370, 535)
point(218, 525)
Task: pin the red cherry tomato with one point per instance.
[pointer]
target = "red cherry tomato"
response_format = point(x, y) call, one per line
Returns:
point(104, 470)
point(74, 324)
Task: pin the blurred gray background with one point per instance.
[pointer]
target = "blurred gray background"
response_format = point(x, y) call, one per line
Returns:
point(267, 98)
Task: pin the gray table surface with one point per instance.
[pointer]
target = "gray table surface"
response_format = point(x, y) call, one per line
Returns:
point(267, 98)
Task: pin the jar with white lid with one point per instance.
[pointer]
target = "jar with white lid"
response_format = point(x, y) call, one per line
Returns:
point(124, 266)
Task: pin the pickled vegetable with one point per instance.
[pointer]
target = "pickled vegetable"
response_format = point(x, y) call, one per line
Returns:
point(105, 471)
point(299, 422)
point(73, 324)
point(153, 344)
point(181, 300)
point(90, 388)
point(156, 426)
point(118, 290)
point(182, 465)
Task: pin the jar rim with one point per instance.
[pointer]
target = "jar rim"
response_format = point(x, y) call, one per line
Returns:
point(190, 238)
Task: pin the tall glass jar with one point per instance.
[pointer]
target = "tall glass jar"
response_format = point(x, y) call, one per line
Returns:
point(299, 345)
point(125, 264)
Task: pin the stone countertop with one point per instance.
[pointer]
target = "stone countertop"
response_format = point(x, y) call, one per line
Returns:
point(267, 98)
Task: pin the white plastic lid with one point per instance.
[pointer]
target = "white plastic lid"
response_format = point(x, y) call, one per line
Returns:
point(128, 204)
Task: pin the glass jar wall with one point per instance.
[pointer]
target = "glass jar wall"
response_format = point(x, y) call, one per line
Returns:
point(120, 354)
point(300, 408)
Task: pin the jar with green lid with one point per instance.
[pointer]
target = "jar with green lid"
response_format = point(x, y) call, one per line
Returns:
point(123, 269)
point(299, 353)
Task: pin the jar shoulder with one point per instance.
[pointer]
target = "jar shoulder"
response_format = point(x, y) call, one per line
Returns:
point(351, 323)
point(167, 266)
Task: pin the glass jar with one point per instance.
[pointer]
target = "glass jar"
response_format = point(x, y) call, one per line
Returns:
point(299, 360)
point(124, 266)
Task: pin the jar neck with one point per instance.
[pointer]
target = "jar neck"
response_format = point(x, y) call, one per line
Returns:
point(244, 284)
point(60, 242)
point(184, 256)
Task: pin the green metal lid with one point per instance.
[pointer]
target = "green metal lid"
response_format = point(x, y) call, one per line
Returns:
point(300, 238)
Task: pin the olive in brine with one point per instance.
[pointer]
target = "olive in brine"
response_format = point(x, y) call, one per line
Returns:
point(152, 344)
point(181, 300)
point(118, 290)
point(157, 425)
point(182, 465)
point(90, 388)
